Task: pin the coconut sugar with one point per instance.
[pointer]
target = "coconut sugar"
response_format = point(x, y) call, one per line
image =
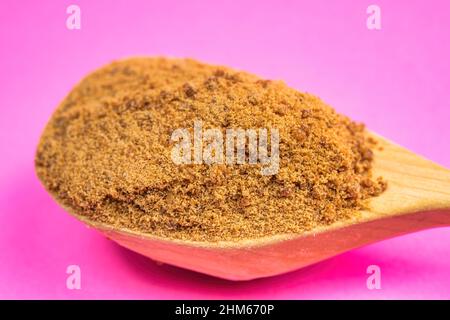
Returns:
point(106, 154)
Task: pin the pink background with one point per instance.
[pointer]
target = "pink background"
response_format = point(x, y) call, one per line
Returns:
point(395, 80)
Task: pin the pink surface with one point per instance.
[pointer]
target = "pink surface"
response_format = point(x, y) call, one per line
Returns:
point(396, 80)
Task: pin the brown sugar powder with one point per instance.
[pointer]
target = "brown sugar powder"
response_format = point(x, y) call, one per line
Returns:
point(106, 154)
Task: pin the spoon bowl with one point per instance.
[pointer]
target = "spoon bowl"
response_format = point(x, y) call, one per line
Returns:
point(417, 198)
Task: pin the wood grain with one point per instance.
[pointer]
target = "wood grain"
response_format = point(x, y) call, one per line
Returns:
point(417, 198)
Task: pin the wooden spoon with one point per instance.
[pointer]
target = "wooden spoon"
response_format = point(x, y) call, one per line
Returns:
point(417, 198)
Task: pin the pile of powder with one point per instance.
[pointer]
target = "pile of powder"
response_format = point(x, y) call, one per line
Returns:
point(106, 154)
